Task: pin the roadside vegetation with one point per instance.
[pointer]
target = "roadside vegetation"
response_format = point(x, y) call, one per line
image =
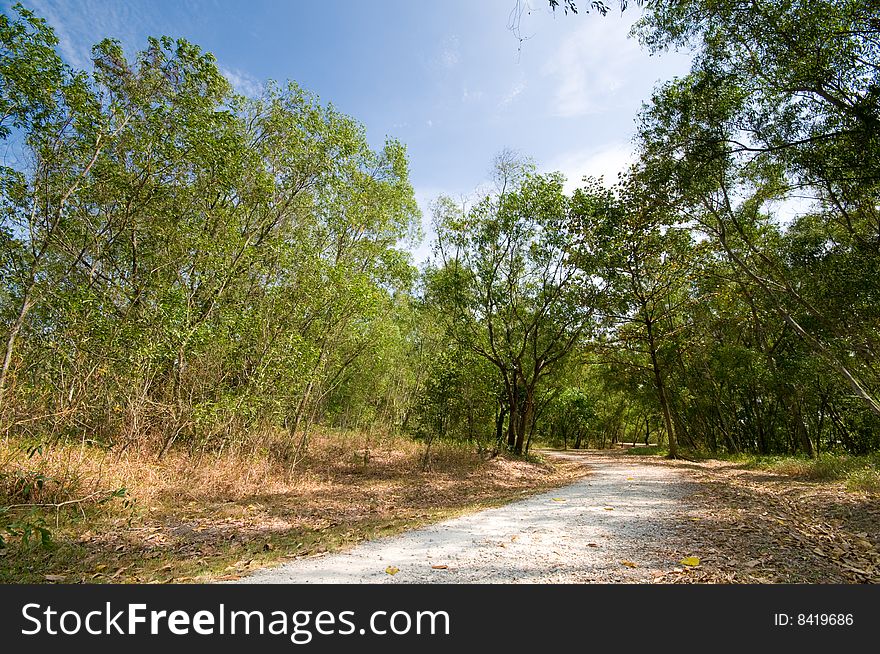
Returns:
point(199, 517)
point(209, 314)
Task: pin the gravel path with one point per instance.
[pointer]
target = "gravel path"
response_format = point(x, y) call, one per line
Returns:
point(622, 511)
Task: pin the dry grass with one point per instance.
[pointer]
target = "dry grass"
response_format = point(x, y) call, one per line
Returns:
point(779, 520)
point(859, 473)
point(201, 517)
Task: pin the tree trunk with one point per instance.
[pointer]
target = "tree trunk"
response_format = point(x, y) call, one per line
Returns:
point(661, 393)
point(512, 422)
point(513, 414)
point(801, 430)
point(10, 343)
point(499, 426)
point(524, 421)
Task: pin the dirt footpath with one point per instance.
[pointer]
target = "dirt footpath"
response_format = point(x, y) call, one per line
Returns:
point(616, 525)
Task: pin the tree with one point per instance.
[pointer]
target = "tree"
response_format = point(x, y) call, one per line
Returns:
point(782, 100)
point(181, 263)
point(37, 99)
point(509, 284)
point(645, 262)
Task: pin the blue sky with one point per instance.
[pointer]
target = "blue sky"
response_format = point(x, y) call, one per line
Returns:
point(449, 78)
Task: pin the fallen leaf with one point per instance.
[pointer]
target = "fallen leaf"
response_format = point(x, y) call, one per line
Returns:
point(54, 577)
point(690, 561)
point(753, 563)
point(100, 566)
point(559, 499)
point(609, 508)
point(440, 567)
point(514, 538)
point(392, 570)
point(630, 478)
point(855, 569)
point(630, 564)
point(592, 545)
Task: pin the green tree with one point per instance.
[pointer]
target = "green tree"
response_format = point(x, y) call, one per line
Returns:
point(181, 263)
point(510, 286)
point(646, 263)
point(782, 101)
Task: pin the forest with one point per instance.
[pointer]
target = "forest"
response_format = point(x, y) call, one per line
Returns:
point(189, 269)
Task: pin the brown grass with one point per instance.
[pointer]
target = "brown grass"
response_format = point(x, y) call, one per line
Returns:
point(778, 520)
point(202, 517)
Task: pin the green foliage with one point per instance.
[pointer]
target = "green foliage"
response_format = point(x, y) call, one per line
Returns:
point(184, 264)
point(650, 450)
point(26, 530)
point(859, 473)
point(510, 287)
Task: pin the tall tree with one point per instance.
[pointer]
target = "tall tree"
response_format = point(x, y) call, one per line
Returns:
point(646, 262)
point(510, 285)
point(782, 101)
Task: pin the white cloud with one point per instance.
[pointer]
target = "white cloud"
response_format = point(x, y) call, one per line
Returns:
point(471, 96)
point(421, 252)
point(242, 82)
point(605, 161)
point(785, 211)
point(515, 91)
point(450, 55)
point(592, 66)
point(425, 196)
point(80, 27)
point(429, 122)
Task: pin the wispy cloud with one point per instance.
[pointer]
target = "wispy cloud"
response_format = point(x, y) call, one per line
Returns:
point(84, 24)
point(515, 91)
point(604, 161)
point(592, 66)
point(242, 82)
point(467, 95)
point(81, 25)
point(450, 54)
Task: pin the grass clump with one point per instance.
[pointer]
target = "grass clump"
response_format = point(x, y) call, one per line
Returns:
point(860, 473)
point(644, 451)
